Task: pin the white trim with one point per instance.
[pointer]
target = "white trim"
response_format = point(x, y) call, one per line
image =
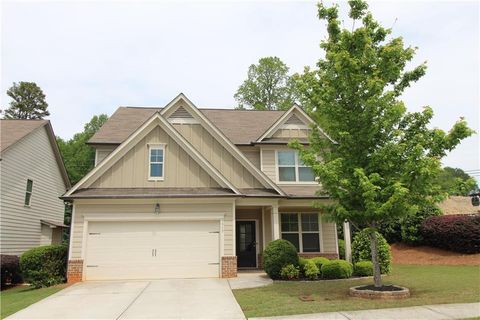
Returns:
point(297, 171)
point(300, 231)
point(294, 126)
point(263, 228)
point(70, 244)
point(234, 236)
point(156, 146)
point(257, 236)
point(224, 141)
point(183, 121)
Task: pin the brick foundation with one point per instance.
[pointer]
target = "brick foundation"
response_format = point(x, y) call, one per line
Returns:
point(229, 267)
point(313, 255)
point(74, 271)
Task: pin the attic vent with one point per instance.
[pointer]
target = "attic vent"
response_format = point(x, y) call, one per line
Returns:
point(181, 113)
point(294, 120)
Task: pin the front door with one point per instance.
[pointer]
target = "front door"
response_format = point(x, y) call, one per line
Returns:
point(246, 244)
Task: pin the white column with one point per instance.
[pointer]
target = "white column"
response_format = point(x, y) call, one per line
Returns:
point(348, 244)
point(276, 222)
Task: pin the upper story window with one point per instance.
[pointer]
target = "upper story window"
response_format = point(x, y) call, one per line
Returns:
point(302, 230)
point(292, 169)
point(28, 192)
point(156, 161)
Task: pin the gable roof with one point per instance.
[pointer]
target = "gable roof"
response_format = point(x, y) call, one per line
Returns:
point(12, 131)
point(241, 127)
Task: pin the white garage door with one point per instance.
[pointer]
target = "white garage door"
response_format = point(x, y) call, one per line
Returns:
point(152, 250)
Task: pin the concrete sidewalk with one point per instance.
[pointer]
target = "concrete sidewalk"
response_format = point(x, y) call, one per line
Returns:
point(430, 312)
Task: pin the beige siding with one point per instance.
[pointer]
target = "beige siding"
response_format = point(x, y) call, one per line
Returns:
point(329, 235)
point(268, 163)
point(143, 210)
point(102, 152)
point(218, 156)
point(180, 170)
point(252, 154)
point(30, 158)
point(291, 133)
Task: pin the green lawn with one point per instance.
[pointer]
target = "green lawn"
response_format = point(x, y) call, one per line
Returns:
point(427, 284)
point(18, 298)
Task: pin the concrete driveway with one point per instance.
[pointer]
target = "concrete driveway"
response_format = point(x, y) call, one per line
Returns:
point(156, 299)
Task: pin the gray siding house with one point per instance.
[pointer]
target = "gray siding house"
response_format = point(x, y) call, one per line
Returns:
point(32, 179)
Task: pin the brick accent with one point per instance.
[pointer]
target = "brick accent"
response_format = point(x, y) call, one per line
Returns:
point(384, 295)
point(229, 267)
point(74, 271)
point(314, 254)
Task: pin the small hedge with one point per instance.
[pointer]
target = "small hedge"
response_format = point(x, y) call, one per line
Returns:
point(460, 233)
point(361, 250)
point(278, 254)
point(44, 266)
point(319, 261)
point(311, 270)
point(363, 268)
point(10, 270)
point(341, 248)
point(336, 269)
point(290, 272)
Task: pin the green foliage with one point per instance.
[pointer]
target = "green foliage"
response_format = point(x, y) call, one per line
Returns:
point(455, 182)
point(311, 270)
point(301, 263)
point(28, 102)
point(44, 266)
point(363, 268)
point(277, 255)
point(319, 261)
point(410, 226)
point(361, 250)
point(381, 161)
point(290, 272)
point(341, 248)
point(268, 86)
point(79, 158)
point(337, 269)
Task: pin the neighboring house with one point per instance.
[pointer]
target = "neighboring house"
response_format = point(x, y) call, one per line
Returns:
point(33, 178)
point(183, 192)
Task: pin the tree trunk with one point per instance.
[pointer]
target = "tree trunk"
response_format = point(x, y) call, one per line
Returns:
point(377, 276)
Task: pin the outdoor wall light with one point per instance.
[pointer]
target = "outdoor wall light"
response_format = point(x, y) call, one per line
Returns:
point(157, 208)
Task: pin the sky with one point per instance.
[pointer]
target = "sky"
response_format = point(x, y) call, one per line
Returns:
point(91, 57)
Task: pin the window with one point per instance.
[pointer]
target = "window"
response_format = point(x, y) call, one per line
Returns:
point(28, 193)
point(292, 169)
point(156, 162)
point(301, 229)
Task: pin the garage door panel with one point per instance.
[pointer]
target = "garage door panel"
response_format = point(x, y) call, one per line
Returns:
point(123, 250)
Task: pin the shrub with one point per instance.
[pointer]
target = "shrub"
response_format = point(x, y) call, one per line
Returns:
point(361, 250)
point(337, 269)
point(460, 233)
point(319, 261)
point(341, 248)
point(363, 268)
point(277, 255)
point(10, 270)
point(44, 266)
point(290, 272)
point(311, 270)
point(411, 225)
point(301, 263)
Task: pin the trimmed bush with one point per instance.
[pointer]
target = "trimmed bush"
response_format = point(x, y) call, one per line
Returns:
point(312, 272)
point(341, 248)
point(44, 266)
point(411, 225)
point(460, 233)
point(277, 255)
point(290, 272)
point(361, 250)
point(363, 268)
point(319, 261)
point(301, 263)
point(337, 269)
point(10, 270)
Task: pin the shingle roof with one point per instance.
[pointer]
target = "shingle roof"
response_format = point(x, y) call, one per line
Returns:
point(12, 131)
point(119, 193)
point(240, 126)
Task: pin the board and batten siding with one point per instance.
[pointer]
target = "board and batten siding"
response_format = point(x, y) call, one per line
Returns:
point(218, 156)
point(30, 158)
point(143, 209)
point(131, 171)
point(252, 154)
point(291, 133)
point(268, 164)
point(101, 152)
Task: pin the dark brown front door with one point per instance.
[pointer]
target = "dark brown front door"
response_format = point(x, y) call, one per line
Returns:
point(246, 244)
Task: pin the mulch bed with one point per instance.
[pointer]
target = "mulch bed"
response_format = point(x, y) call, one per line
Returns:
point(405, 254)
point(382, 288)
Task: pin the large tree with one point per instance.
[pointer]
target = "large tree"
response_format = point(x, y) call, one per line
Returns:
point(79, 157)
point(267, 87)
point(28, 102)
point(382, 161)
point(455, 182)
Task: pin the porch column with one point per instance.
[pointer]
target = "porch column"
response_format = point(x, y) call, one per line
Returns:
point(346, 237)
point(275, 222)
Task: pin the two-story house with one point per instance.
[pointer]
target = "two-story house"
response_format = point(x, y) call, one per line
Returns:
point(32, 178)
point(182, 192)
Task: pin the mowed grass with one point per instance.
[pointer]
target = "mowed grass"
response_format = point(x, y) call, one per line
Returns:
point(18, 298)
point(428, 285)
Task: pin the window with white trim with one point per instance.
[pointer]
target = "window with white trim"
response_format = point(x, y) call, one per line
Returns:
point(156, 162)
point(292, 169)
point(302, 230)
point(28, 193)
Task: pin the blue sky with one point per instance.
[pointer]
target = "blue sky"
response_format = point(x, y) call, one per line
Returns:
point(91, 57)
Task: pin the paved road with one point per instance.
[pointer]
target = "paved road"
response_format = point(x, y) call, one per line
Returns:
point(159, 299)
